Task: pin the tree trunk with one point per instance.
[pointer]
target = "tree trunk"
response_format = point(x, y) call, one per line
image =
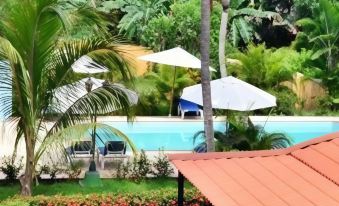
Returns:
point(222, 41)
point(205, 73)
point(26, 180)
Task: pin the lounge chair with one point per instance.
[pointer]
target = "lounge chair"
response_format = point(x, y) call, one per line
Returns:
point(112, 150)
point(187, 106)
point(82, 148)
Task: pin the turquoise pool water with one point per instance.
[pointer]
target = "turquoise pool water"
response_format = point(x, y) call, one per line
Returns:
point(301, 131)
point(179, 135)
point(165, 135)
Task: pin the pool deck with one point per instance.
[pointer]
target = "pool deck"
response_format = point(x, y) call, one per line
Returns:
point(7, 135)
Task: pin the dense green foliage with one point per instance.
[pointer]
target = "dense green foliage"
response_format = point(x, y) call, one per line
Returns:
point(242, 135)
point(155, 89)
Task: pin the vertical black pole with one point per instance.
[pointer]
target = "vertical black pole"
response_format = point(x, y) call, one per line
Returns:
point(181, 180)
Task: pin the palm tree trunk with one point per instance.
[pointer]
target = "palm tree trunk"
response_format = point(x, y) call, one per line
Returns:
point(222, 38)
point(205, 73)
point(27, 179)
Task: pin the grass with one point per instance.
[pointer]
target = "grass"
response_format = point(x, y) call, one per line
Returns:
point(109, 186)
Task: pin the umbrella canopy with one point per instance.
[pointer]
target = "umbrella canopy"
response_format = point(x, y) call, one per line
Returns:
point(86, 65)
point(174, 57)
point(233, 94)
point(67, 95)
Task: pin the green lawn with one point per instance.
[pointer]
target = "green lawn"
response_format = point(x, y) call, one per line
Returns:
point(109, 186)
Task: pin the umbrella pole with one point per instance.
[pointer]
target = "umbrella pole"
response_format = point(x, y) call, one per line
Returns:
point(172, 92)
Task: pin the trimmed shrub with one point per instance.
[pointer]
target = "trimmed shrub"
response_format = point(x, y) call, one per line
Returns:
point(158, 198)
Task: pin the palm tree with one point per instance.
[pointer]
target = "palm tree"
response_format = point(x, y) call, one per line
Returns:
point(244, 137)
point(205, 73)
point(222, 37)
point(37, 50)
point(162, 78)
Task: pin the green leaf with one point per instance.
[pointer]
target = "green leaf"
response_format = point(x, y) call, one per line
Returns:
point(245, 30)
point(319, 53)
point(235, 36)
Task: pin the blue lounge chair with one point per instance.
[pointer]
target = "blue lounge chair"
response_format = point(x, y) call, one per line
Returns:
point(187, 106)
point(113, 150)
point(81, 148)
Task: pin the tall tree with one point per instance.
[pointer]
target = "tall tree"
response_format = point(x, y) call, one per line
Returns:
point(222, 37)
point(36, 48)
point(205, 73)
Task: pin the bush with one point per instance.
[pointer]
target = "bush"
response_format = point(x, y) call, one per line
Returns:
point(74, 169)
point(158, 198)
point(286, 100)
point(141, 167)
point(10, 168)
point(123, 170)
point(51, 170)
point(162, 166)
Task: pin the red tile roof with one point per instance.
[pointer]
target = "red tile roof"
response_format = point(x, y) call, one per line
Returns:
point(305, 174)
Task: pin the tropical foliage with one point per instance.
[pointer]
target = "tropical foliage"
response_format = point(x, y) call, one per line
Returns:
point(266, 68)
point(243, 136)
point(155, 88)
point(182, 28)
point(36, 48)
point(245, 17)
point(322, 33)
point(137, 14)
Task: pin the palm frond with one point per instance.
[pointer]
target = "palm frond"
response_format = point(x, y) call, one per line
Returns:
point(102, 100)
point(63, 138)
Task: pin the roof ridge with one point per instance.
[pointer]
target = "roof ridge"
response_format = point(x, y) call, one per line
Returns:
point(251, 154)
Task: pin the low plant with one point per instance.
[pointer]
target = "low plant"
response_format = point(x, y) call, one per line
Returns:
point(11, 168)
point(74, 169)
point(156, 198)
point(123, 170)
point(161, 166)
point(54, 170)
point(286, 101)
point(51, 170)
point(141, 167)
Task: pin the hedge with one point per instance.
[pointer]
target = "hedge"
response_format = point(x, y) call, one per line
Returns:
point(158, 198)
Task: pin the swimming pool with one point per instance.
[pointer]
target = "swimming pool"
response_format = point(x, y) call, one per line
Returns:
point(301, 131)
point(155, 135)
point(178, 135)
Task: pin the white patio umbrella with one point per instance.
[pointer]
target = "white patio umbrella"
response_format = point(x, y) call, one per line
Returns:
point(67, 95)
point(233, 94)
point(86, 65)
point(176, 57)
